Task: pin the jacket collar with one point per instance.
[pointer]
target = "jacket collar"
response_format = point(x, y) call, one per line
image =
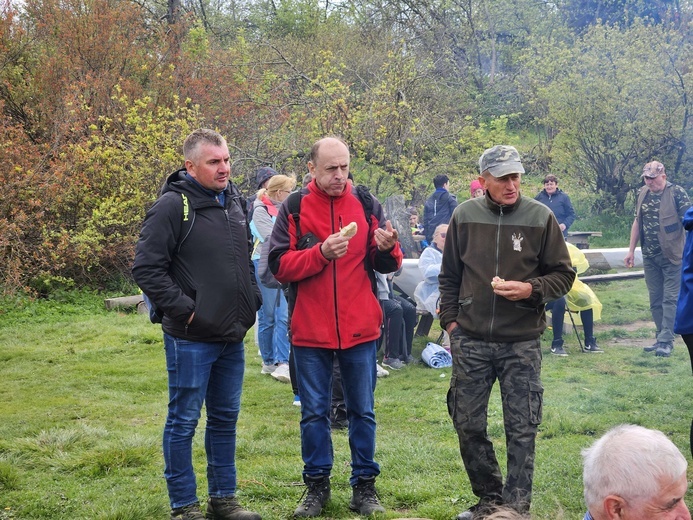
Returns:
point(505, 208)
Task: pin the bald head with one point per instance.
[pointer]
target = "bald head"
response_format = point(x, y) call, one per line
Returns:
point(329, 165)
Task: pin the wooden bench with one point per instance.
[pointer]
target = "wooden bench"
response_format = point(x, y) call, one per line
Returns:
point(581, 239)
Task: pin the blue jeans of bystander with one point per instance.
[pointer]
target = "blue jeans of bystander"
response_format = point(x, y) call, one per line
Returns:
point(201, 372)
point(272, 324)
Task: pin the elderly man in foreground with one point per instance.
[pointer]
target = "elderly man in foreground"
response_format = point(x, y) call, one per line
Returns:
point(635, 473)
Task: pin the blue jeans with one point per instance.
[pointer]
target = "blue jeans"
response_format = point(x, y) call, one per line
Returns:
point(272, 324)
point(663, 280)
point(201, 372)
point(557, 308)
point(314, 376)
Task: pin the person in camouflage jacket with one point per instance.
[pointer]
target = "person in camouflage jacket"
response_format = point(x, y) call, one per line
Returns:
point(658, 226)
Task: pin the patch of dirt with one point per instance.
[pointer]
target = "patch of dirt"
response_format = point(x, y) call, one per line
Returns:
point(646, 341)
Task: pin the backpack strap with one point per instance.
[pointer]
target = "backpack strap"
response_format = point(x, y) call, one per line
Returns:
point(366, 199)
point(188, 221)
point(294, 207)
point(156, 315)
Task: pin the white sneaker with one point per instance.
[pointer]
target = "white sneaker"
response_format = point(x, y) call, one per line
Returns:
point(268, 369)
point(282, 373)
point(381, 372)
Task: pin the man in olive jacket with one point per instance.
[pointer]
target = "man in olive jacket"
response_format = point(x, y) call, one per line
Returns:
point(193, 262)
point(504, 258)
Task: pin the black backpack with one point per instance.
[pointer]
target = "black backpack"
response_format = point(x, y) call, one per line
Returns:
point(156, 315)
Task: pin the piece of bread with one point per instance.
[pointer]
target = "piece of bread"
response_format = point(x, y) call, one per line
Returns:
point(496, 280)
point(349, 230)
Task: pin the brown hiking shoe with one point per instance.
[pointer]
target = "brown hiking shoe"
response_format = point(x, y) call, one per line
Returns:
point(189, 512)
point(228, 508)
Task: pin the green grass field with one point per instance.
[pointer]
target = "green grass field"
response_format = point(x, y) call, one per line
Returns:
point(83, 401)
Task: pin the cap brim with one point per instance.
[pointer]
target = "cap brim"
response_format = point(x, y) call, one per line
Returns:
point(506, 168)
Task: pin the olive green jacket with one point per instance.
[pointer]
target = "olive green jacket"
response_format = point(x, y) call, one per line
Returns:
point(521, 242)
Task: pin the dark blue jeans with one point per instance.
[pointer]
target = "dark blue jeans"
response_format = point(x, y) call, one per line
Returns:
point(272, 324)
point(557, 308)
point(314, 377)
point(201, 372)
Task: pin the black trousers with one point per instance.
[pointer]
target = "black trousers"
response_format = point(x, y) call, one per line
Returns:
point(399, 316)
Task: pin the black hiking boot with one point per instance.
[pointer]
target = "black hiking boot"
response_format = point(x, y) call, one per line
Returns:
point(316, 494)
point(365, 499)
point(664, 350)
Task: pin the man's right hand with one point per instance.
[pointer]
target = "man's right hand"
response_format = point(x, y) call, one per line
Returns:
point(629, 260)
point(451, 326)
point(335, 246)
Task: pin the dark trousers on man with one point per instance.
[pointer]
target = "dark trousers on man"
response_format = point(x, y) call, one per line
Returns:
point(476, 366)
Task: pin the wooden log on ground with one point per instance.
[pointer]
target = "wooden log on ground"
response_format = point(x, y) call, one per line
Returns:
point(124, 302)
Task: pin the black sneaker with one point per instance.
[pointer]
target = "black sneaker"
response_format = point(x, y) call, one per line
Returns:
point(592, 347)
point(364, 499)
point(316, 494)
point(559, 351)
point(228, 508)
point(392, 363)
point(664, 350)
point(189, 512)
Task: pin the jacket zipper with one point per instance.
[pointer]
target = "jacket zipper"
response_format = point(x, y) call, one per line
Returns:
point(495, 296)
point(334, 280)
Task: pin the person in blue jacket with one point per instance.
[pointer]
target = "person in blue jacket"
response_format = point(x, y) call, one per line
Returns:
point(683, 323)
point(558, 201)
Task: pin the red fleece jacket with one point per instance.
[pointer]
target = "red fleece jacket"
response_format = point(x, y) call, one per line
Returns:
point(335, 305)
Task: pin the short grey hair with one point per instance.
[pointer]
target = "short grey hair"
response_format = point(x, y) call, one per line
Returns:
point(440, 228)
point(200, 136)
point(629, 461)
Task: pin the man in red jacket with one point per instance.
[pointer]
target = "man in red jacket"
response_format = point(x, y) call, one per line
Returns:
point(335, 312)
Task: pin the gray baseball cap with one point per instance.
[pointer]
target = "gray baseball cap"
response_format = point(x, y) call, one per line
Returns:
point(501, 160)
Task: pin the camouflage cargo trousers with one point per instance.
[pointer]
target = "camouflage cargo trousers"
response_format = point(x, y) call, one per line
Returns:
point(476, 366)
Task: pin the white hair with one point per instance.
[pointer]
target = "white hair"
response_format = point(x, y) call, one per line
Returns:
point(629, 461)
point(440, 228)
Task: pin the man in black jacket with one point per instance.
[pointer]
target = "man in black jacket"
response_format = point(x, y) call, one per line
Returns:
point(193, 262)
point(438, 207)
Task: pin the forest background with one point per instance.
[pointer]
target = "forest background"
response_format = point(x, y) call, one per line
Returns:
point(96, 97)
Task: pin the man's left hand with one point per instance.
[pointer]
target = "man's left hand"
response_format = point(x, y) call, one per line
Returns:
point(386, 238)
point(513, 291)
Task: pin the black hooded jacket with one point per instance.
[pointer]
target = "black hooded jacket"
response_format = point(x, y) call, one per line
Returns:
point(208, 272)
